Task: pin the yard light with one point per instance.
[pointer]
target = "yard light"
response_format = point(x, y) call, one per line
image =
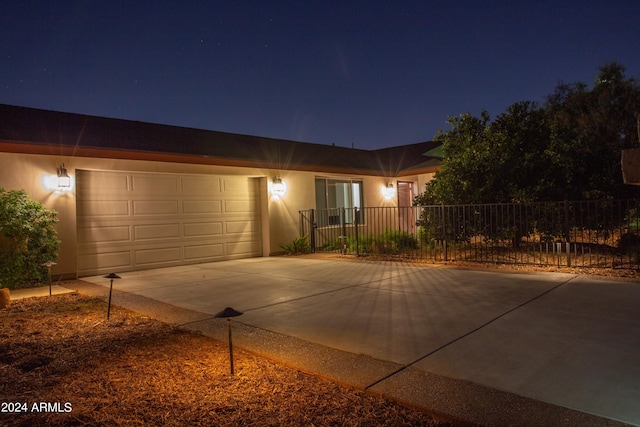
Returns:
point(49, 264)
point(110, 276)
point(229, 313)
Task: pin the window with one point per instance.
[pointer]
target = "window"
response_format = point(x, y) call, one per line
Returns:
point(332, 195)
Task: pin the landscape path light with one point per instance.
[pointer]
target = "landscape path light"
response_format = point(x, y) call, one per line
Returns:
point(229, 313)
point(49, 264)
point(110, 276)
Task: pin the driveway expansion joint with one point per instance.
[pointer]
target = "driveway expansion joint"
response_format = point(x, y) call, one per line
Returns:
point(399, 317)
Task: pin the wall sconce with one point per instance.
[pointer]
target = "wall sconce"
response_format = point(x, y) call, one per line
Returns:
point(278, 188)
point(64, 180)
point(60, 182)
point(389, 191)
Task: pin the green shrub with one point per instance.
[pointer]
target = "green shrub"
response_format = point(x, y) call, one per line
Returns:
point(390, 242)
point(402, 240)
point(299, 246)
point(28, 239)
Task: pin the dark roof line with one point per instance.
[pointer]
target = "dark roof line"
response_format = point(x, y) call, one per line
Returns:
point(31, 126)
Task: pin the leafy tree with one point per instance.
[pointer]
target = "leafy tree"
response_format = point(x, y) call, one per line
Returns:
point(464, 170)
point(28, 239)
point(568, 148)
point(491, 162)
point(589, 129)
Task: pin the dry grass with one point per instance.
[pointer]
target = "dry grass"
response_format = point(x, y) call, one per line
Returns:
point(132, 370)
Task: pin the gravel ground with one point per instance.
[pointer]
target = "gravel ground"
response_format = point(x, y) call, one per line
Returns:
point(63, 363)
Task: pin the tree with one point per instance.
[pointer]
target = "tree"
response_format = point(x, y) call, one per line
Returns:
point(464, 170)
point(28, 239)
point(491, 162)
point(568, 148)
point(589, 130)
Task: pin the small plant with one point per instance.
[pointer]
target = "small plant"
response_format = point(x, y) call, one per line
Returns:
point(299, 246)
point(28, 239)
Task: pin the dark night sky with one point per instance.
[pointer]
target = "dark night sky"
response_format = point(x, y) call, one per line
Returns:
point(365, 73)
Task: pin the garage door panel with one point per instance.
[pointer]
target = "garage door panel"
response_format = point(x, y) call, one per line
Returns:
point(106, 261)
point(158, 256)
point(156, 220)
point(239, 206)
point(155, 184)
point(109, 234)
point(196, 252)
point(203, 229)
point(102, 182)
point(102, 208)
point(155, 207)
point(156, 231)
point(201, 207)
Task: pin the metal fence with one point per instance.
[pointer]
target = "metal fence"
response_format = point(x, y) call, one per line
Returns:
point(574, 234)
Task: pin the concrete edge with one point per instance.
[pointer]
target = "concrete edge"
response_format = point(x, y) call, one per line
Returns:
point(468, 403)
point(40, 291)
point(459, 402)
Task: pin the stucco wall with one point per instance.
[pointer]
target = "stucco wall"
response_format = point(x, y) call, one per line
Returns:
point(279, 217)
point(27, 172)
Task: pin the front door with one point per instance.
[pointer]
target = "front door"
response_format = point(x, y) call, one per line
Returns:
point(406, 211)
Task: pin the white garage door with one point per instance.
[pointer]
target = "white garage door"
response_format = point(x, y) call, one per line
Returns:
point(135, 221)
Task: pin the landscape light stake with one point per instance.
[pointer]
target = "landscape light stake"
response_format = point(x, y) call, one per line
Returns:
point(229, 313)
point(49, 264)
point(110, 276)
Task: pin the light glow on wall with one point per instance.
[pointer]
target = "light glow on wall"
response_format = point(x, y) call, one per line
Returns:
point(388, 191)
point(277, 188)
point(60, 182)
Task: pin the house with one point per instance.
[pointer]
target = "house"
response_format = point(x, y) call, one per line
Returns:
point(133, 195)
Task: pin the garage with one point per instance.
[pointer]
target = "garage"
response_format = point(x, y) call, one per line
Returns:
point(132, 221)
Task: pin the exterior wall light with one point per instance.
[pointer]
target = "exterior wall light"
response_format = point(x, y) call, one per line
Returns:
point(278, 188)
point(64, 180)
point(389, 191)
point(60, 182)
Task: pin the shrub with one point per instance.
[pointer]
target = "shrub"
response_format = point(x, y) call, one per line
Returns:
point(297, 247)
point(28, 239)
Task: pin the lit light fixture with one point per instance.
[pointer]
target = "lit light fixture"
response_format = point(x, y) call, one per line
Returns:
point(49, 264)
point(59, 182)
point(64, 180)
point(388, 191)
point(278, 188)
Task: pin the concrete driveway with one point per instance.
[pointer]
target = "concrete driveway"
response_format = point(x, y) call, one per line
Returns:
point(567, 340)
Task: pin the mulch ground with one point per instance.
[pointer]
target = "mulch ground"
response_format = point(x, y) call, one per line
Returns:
point(622, 274)
point(63, 363)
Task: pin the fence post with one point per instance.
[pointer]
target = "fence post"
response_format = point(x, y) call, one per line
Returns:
point(567, 231)
point(444, 233)
point(312, 230)
point(343, 220)
point(356, 221)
